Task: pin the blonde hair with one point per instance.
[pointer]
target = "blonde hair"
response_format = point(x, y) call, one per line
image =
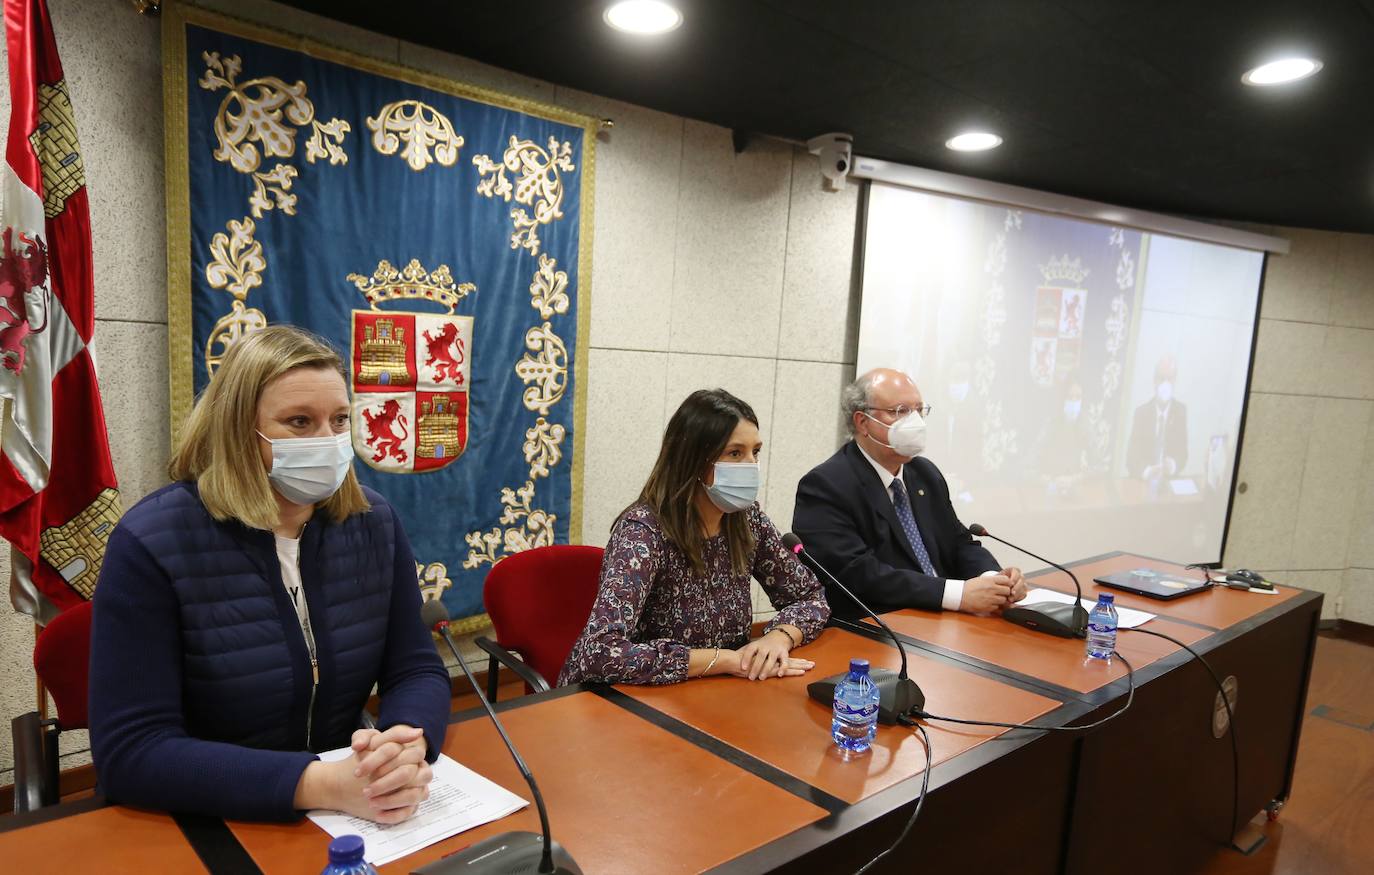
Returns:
point(217, 447)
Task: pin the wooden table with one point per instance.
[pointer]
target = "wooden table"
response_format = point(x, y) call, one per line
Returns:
point(1159, 767)
point(729, 775)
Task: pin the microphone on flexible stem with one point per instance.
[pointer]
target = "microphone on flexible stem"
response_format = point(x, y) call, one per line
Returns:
point(899, 696)
point(508, 852)
point(1054, 618)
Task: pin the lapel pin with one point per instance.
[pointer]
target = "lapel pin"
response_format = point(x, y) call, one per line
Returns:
point(920, 492)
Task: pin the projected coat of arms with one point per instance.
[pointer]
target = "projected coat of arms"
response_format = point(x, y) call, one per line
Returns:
point(437, 235)
point(1059, 315)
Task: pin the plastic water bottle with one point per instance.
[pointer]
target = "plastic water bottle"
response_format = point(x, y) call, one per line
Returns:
point(346, 857)
point(855, 717)
point(1102, 628)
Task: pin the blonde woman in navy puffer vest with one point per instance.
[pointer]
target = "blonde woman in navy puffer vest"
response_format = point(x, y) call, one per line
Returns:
point(245, 612)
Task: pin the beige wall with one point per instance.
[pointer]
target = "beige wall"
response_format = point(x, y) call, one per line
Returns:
point(1307, 465)
point(710, 269)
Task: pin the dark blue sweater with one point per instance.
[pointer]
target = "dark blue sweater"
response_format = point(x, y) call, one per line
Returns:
point(200, 686)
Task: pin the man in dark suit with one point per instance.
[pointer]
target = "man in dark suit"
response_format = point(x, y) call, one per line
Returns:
point(878, 516)
point(1158, 446)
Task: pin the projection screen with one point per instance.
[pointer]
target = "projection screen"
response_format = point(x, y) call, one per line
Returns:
point(1087, 381)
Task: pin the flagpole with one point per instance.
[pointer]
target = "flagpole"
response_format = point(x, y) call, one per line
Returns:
point(40, 690)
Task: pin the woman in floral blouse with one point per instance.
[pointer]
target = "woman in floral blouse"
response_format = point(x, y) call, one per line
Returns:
point(674, 599)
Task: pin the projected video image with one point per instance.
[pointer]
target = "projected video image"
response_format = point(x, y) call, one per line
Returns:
point(1087, 381)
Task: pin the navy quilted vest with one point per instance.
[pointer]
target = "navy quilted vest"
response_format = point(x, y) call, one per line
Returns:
point(246, 670)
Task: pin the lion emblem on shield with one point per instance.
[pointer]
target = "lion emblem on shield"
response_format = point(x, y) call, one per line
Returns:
point(380, 435)
point(447, 364)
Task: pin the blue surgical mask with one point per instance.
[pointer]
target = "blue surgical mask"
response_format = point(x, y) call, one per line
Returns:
point(309, 470)
point(1072, 409)
point(736, 486)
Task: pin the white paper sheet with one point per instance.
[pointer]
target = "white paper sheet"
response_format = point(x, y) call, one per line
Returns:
point(459, 799)
point(1183, 486)
point(1126, 618)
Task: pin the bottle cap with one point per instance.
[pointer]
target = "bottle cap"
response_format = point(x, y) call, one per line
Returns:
point(1106, 597)
point(858, 666)
point(346, 849)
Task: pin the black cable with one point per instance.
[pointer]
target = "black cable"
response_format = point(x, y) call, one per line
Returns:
point(925, 740)
point(1230, 720)
point(920, 800)
point(1130, 697)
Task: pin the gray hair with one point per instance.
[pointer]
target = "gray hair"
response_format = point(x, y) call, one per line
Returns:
point(854, 398)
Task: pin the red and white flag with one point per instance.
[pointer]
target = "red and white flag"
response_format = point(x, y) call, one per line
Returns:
point(58, 496)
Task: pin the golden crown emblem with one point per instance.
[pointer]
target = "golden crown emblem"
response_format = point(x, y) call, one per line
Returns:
point(1064, 269)
point(411, 282)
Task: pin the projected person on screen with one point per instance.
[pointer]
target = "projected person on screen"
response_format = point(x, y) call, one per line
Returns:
point(674, 599)
point(1063, 445)
point(878, 516)
point(1158, 446)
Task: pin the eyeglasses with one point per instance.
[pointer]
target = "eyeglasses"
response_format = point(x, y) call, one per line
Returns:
point(902, 410)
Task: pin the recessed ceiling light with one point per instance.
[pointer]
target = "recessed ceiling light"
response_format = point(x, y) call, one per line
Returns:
point(1282, 71)
point(973, 141)
point(644, 17)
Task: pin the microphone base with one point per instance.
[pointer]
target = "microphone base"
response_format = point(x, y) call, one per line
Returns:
point(897, 696)
point(1052, 618)
point(507, 853)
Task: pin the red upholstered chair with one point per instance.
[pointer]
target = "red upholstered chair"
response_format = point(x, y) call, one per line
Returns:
point(538, 601)
point(62, 658)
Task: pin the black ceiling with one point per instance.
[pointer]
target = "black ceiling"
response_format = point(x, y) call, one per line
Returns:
point(1134, 103)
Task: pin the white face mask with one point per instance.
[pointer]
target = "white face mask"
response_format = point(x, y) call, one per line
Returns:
point(735, 486)
point(906, 436)
point(309, 470)
point(958, 391)
point(1164, 391)
point(1072, 409)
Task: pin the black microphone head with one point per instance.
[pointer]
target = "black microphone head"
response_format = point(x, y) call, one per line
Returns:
point(792, 542)
point(432, 613)
point(977, 529)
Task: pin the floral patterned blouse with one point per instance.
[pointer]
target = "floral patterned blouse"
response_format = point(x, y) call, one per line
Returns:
point(652, 609)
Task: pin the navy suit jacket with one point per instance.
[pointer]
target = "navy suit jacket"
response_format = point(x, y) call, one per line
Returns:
point(847, 522)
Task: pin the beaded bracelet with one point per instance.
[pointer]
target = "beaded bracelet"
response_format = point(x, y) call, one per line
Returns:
point(783, 630)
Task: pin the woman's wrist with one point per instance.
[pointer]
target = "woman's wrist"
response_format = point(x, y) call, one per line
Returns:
point(312, 790)
point(792, 640)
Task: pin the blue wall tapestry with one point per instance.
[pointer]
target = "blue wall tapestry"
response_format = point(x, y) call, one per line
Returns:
point(438, 235)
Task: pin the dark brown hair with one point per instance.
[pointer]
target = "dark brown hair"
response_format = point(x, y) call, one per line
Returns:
point(696, 436)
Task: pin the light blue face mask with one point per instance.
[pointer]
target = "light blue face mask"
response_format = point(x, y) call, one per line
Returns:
point(736, 486)
point(309, 470)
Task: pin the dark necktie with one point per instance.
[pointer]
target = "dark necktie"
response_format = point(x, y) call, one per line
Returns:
point(902, 505)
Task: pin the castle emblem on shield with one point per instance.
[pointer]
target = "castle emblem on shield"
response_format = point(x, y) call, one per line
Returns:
point(410, 370)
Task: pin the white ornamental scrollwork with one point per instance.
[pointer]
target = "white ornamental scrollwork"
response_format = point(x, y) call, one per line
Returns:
point(240, 320)
point(548, 292)
point(548, 371)
point(237, 261)
point(539, 185)
point(258, 118)
point(994, 315)
point(1125, 271)
point(543, 446)
point(530, 527)
point(422, 128)
point(1116, 324)
point(998, 442)
point(432, 579)
point(272, 190)
point(327, 141)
